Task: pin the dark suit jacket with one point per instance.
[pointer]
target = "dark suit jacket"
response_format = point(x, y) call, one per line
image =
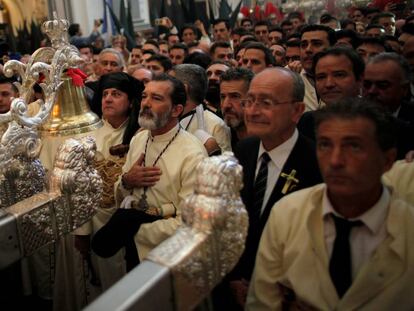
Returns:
point(406, 112)
point(302, 159)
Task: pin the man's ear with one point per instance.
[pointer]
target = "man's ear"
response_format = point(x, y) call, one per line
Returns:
point(177, 110)
point(390, 157)
point(299, 109)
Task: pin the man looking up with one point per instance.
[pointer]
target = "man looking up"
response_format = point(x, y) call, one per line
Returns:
point(349, 229)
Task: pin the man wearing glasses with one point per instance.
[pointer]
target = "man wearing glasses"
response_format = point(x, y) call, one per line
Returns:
point(276, 161)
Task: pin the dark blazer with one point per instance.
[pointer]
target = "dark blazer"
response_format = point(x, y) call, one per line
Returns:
point(302, 159)
point(406, 112)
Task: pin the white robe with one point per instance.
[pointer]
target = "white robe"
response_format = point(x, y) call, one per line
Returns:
point(177, 164)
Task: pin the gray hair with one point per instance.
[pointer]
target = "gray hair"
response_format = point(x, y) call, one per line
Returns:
point(121, 61)
point(195, 78)
point(397, 59)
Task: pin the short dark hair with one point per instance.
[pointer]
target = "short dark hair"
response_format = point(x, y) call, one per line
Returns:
point(239, 31)
point(193, 28)
point(222, 20)
point(376, 18)
point(372, 25)
point(219, 44)
point(73, 29)
point(246, 19)
point(152, 42)
point(238, 74)
point(85, 46)
point(329, 31)
point(352, 108)
point(408, 19)
point(262, 23)
point(179, 46)
point(348, 33)
point(374, 41)
point(275, 28)
point(198, 58)
point(178, 95)
point(345, 22)
point(326, 18)
point(408, 28)
point(295, 14)
point(286, 22)
point(164, 61)
point(148, 52)
point(11, 80)
point(293, 43)
point(172, 34)
point(269, 58)
point(358, 65)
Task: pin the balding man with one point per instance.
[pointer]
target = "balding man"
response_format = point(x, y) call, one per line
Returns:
point(276, 161)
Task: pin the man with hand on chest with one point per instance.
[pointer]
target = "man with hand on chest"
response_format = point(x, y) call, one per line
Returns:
point(159, 173)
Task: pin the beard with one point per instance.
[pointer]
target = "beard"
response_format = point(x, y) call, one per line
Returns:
point(151, 121)
point(213, 94)
point(233, 123)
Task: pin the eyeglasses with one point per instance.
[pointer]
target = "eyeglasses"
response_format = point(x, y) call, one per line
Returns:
point(262, 103)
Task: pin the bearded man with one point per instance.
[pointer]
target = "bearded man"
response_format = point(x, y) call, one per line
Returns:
point(159, 173)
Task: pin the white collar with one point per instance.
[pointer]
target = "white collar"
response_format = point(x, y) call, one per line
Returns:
point(279, 154)
point(373, 218)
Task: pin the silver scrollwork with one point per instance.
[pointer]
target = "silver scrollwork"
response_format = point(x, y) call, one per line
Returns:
point(211, 239)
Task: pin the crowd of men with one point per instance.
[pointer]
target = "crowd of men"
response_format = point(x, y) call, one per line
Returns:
point(321, 118)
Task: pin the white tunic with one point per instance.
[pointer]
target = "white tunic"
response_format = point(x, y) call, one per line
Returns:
point(177, 165)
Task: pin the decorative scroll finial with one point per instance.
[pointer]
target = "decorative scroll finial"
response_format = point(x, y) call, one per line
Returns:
point(45, 67)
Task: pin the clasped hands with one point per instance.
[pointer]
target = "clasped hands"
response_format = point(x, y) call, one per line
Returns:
point(141, 176)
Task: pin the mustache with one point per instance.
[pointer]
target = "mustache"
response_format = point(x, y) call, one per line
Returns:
point(146, 112)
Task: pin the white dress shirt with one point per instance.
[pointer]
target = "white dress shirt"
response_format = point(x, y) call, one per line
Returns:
point(278, 157)
point(364, 239)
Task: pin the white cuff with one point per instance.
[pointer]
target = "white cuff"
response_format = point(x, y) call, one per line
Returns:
point(202, 135)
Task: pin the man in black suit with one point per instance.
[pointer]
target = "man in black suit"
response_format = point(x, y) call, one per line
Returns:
point(276, 162)
point(386, 81)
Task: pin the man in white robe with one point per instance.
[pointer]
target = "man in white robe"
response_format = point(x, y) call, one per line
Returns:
point(159, 172)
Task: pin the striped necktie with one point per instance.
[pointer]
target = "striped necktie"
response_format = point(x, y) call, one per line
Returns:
point(259, 187)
